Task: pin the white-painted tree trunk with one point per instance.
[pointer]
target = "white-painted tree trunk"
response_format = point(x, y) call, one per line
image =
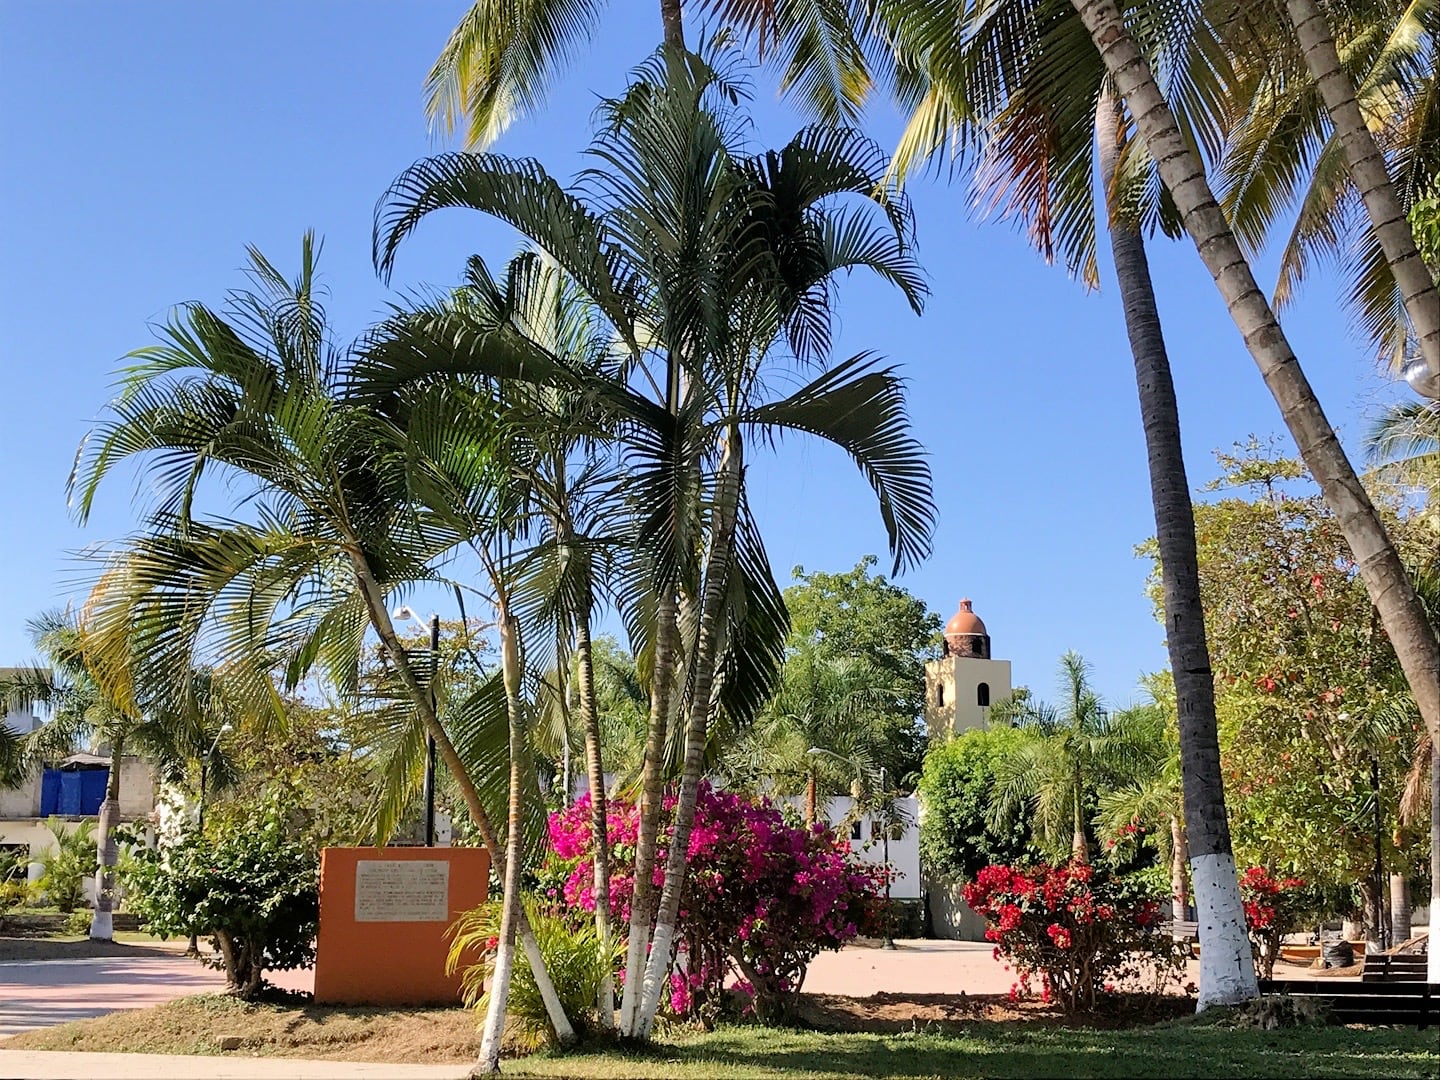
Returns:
point(493, 1031)
point(1432, 947)
point(1227, 972)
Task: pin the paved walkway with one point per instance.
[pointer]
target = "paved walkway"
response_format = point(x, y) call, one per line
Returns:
point(42, 1065)
point(41, 993)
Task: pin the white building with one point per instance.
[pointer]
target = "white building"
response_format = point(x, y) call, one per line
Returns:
point(867, 839)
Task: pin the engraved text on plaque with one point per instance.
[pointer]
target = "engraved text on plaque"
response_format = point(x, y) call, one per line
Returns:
point(402, 891)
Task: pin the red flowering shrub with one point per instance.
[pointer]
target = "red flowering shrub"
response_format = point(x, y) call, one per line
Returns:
point(1073, 931)
point(1274, 907)
point(761, 899)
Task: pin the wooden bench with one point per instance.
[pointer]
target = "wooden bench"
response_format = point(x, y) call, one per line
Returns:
point(1394, 967)
point(1358, 1002)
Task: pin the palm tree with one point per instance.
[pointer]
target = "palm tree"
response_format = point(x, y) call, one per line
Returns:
point(499, 61)
point(1020, 93)
point(1380, 566)
point(1370, 174)
point(1284, 167)
point(1152, 792)
point(1054, 771)
point(813, 735)
point(95, 704)
point(252, 392)
point(724, 259)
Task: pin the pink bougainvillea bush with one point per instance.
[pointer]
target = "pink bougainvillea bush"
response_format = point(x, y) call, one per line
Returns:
point(1072, 931)
point(1274, 907)
point(762, 897)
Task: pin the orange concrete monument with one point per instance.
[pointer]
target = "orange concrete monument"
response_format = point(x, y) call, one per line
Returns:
point(383, 917)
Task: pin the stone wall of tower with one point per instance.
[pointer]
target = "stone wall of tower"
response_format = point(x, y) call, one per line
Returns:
point(959, 691)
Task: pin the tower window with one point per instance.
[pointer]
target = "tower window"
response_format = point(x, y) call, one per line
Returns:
point(982, 695)
point(940, 695)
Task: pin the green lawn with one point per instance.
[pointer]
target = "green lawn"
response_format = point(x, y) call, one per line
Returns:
point(1169, 1051)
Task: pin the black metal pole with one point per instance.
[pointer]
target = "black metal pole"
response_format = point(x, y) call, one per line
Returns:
point(430, 739)
point(889, 942)
point(1381, 936)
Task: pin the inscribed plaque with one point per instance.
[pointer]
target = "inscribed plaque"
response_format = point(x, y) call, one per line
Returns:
point(411, 890)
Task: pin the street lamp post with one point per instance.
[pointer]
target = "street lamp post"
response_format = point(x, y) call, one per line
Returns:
point(889, 942)
point(429, 791)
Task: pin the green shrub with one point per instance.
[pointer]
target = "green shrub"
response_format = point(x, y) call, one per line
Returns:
point(254, 889)
point(572, 956)
point(69, 865)
point(957, 840)
point(78, 922)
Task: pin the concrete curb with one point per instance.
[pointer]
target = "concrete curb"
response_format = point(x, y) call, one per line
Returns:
point(56, 1065)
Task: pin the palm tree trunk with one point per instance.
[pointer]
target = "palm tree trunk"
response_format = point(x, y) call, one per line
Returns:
point(1079, 848)
point(652, 790)
point(380, 619)
point(674, 27)
point(1385, 579)
point(599, 810)
point(810, 798)
point(1227, 973)
point(1370, 175)
point(1179, 856)
point(722, 542)
point(1432, 961)
point(102, 922)
point(493, 1030)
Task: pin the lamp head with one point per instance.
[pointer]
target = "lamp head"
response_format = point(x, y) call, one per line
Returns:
point(1421, 379)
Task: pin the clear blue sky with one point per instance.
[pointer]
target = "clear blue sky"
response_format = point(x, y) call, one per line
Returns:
point(143, 145)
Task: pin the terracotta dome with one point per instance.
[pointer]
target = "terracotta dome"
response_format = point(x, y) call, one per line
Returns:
point(964, 622)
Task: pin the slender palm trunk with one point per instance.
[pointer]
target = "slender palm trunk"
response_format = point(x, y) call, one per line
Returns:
point(1370, 175)
point(1227, 973)
point(652, 791)
point(1379, 564)
point(102, 922)
point(1079, 848)
point(492, 1033)
point(1432, 961)
point(810, 798)
point(728, 480)
point(599, 810)
point(380, 619)
point(671, 21)
point(1179, 856)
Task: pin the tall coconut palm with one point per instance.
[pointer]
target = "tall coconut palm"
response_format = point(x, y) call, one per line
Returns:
point(1019, 93)
point(1180, 167)
point(1284, 169)
point(252, 392)
point(1370, 175)
point(727, 259)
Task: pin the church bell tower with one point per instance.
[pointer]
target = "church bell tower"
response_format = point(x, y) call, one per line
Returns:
point(961, 686)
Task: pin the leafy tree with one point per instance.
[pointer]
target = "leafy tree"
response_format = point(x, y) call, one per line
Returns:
point(254, 887)
point(1310, 691)
point(862, 616)
point(958, 834)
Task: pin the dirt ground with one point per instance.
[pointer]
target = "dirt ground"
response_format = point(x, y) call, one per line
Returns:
point(45, 948)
